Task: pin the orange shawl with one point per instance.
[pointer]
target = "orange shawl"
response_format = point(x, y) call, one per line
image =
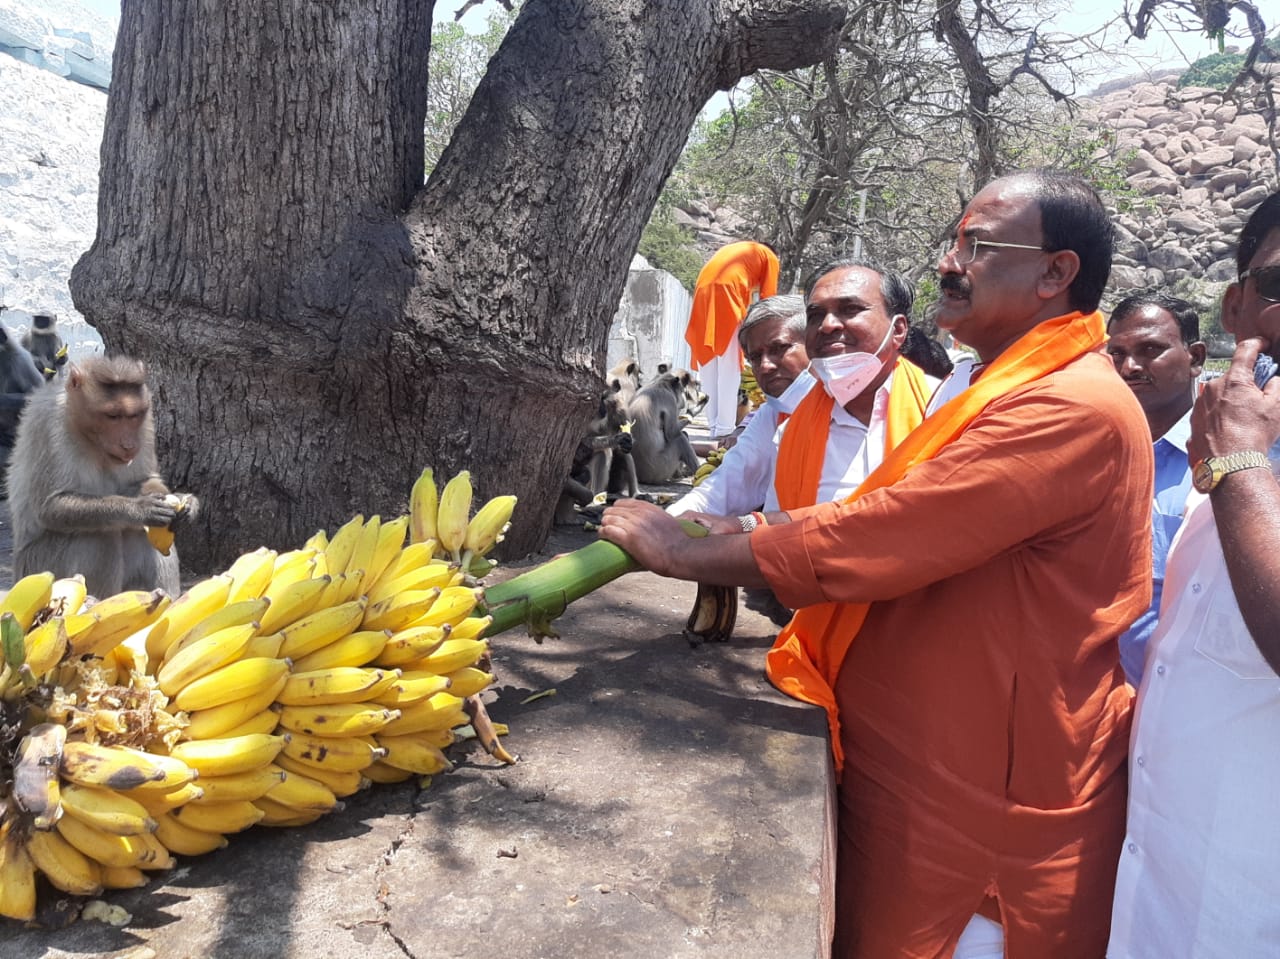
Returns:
point(804, 443)
point(807, 655)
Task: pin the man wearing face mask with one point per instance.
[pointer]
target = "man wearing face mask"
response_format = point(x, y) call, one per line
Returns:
point(958, 614)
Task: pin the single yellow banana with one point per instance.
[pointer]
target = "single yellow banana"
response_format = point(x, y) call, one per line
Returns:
point(410, 645)
point(218, 721)
point(337, 719)
point(229, 683)
point(17, 877)
point(319, 541)
point(485, 530)
point(400, 609)
point(453, 654)
point(340, 684)
point(28, 596)
point(68, 595)
point(343, 542)
point(472, 627)
point(380, 772)
point(417, 578)
point(295, 565)
point(215, 817)
point(104, 847)
point(240, 787)
point(412, 557)
point(355, 649)
point(452, 606)
point(390, 543)
point(264, 722)
point(341, 782)
point(202, 599)
point(423, 507)
point(156, 801)
point(413, 686)
point(339, 586)
point(203, 657)
point(469, 680)
point(186, 840)
point(408, 752)
point(120, 767)
point(240, 613)
point(46, 645)
point(155, 855)
point(453, 513)
point(65, 866)
point(250, 574)
point(122, 877)
point(321, 628)
point(268, 646)
point(107, 810)
point(230, 755)
point(291, 602)
point(115, 619)
point(362, 557)
point(441, 711)
point(278, 814)
point(304, 793)
point(351, 753)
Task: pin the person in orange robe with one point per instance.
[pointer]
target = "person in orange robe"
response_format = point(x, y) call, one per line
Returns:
point(720, 301)
point(961, 609)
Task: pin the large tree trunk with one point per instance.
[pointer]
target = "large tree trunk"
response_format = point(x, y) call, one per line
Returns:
point(319, 326)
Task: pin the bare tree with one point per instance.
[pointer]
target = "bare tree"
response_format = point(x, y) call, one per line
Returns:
point(318, 323)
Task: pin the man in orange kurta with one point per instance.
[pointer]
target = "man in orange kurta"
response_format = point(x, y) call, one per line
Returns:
point(963, 608)
point(720, 301)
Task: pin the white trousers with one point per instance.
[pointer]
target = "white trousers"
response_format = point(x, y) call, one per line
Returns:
point(720, 379)
point(981, 939)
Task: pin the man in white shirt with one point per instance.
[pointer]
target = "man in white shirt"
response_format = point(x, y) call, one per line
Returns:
point(772, 340)
point(1198, 872)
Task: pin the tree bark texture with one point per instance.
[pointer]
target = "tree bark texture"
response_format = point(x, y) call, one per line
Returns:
point(319, 325)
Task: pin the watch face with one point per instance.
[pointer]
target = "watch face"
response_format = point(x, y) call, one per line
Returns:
point(1202, 476)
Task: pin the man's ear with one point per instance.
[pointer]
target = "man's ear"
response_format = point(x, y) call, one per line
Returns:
point(900, 325)
point(1231, 307)
point(1060, 270)
point(1198, 352)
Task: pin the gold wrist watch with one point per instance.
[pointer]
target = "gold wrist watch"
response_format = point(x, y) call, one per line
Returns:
point(1208, 473)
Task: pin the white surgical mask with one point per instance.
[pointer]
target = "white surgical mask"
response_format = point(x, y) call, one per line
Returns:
point(792, 395)
point(846, 375)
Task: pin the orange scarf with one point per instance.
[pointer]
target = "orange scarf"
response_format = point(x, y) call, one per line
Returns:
point(807, 655)
point(804, 443)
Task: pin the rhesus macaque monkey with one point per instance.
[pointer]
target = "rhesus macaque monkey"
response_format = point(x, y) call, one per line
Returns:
point(45, 345)
point(83, 482)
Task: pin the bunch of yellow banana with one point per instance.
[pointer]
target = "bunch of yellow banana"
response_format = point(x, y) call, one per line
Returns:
point(713, 459)
point(262, 695)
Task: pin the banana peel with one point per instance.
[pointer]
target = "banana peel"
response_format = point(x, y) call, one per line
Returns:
point(715, 611)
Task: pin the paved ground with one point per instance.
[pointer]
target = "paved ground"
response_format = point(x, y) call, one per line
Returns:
point(667, 803)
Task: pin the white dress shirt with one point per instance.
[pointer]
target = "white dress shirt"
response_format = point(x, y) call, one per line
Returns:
point(1199, 874)
point(742, 480)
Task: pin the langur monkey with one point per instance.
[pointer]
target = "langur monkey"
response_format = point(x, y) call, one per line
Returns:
point(83, 482)
point(45, 345)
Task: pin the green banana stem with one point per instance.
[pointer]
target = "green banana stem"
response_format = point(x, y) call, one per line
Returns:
point(537, 597)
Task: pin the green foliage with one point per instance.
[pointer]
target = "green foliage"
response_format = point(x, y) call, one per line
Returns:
point(457, 62)
point(669, 246)
point(1217, 70)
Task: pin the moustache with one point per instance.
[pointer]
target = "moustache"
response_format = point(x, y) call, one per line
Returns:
point(953, 283)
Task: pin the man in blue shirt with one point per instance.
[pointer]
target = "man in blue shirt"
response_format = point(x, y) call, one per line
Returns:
point(1155, 345)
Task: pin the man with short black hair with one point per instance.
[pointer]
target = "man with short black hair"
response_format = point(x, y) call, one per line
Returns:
point(1197, 875)
point(1156, 347)
point(958, 614)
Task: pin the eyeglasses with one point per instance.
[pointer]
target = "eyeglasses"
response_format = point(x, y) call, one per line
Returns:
point(1267, 280)
point(965, 248)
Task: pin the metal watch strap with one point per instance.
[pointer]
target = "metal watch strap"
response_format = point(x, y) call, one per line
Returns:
point(1242, 460)
point(748, 522)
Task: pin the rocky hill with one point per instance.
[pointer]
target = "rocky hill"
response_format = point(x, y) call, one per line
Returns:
point(1197, 166)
